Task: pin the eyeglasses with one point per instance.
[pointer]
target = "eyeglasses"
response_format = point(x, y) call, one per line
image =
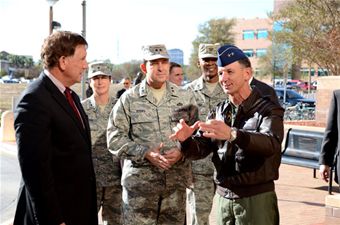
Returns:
point(125, 83)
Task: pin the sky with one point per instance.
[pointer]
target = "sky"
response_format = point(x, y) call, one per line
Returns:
point(116, 30)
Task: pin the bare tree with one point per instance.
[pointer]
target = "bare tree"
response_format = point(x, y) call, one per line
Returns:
point(312, 29)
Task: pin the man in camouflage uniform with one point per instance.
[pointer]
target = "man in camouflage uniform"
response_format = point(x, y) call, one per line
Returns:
point(155, 175)
point(208, 93)
point(107, 167)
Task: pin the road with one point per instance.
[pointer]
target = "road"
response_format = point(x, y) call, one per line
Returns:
point(10, 179)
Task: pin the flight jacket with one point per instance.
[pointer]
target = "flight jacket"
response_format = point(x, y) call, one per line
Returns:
point(248, 165)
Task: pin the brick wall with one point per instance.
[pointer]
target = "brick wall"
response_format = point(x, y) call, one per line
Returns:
point(326, 85)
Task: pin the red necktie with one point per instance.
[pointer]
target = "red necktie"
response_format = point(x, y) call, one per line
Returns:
point(72, 104)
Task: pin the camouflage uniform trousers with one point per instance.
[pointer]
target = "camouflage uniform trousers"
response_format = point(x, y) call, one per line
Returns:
point(110, 199)
point(166, 208)
point(200, 199)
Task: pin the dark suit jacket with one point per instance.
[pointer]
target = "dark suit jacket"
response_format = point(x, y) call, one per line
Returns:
point(54, 152)
point(120, 92)
point(265, 90)
point(331, 142)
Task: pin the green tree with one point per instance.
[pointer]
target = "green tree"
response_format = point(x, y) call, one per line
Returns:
point(212, 31)
point(276, 62)
point(312, 29)
point(35, 70)
point(3, 55)
point(127, 69)
point(28, 62)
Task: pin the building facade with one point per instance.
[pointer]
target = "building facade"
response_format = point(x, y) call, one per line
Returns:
point(4, 66)
point(252, 36)
point(176, 55)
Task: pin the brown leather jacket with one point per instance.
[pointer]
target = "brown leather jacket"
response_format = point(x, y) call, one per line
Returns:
point(250, 164)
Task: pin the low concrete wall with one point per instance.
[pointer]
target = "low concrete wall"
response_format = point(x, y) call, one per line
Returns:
point(333, 206)
point(10, 92)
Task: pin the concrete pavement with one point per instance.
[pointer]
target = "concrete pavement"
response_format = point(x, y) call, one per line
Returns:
point(10, 179)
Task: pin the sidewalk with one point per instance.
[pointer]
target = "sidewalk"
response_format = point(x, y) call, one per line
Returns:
point(8, 147)
point(301, 197)
point(9, 190)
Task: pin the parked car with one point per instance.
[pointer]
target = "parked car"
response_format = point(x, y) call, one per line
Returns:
point(293, 84)
point(9, 81)
point(315, 84)
point(278, 82)
point(293, 97)
point(303, 86)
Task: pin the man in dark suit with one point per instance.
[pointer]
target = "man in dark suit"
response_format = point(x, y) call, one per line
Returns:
point(265, 90)
point(331, 142)
point(127, 83)
point(54, 143)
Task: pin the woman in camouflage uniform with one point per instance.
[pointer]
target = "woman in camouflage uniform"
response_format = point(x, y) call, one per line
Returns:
point(107, 167)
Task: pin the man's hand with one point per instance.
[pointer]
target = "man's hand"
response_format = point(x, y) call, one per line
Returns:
point(216, 129)
point(173, 155)
point(324, 171)
point(155, 157)
point(183, 131)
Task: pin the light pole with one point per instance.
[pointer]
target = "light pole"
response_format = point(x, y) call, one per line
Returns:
point(83, 33)
point(51, 3)
point(55, 25)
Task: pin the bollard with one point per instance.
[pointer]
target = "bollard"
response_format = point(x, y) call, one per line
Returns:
point(7, 133)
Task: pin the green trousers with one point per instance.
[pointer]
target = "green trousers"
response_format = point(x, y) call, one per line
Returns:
point(260, 209)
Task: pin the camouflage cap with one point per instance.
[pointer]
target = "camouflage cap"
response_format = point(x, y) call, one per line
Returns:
point(98, 68)
point(207, 51)
point(152, 52)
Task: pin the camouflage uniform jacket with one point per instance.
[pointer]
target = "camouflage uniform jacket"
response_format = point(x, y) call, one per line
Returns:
point(206, 101)
point(137, 123)
point(106, 166)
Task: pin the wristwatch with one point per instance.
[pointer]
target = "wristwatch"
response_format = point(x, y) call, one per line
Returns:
point(233, 134)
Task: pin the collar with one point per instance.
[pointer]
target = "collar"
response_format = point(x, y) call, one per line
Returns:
point(94, 104)
point(199, 84)
point(249, 103)
point(55, 81)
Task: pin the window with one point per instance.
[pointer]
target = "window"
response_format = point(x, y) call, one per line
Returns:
point(248, 52)
point(261, 52)
point(248, 35)
point(262, 34)
point(278, 25)
point(322, 72)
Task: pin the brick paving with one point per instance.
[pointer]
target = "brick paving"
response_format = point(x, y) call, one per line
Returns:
point(302, 197)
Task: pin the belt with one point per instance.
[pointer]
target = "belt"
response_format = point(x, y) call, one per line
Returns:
point(226, 193)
